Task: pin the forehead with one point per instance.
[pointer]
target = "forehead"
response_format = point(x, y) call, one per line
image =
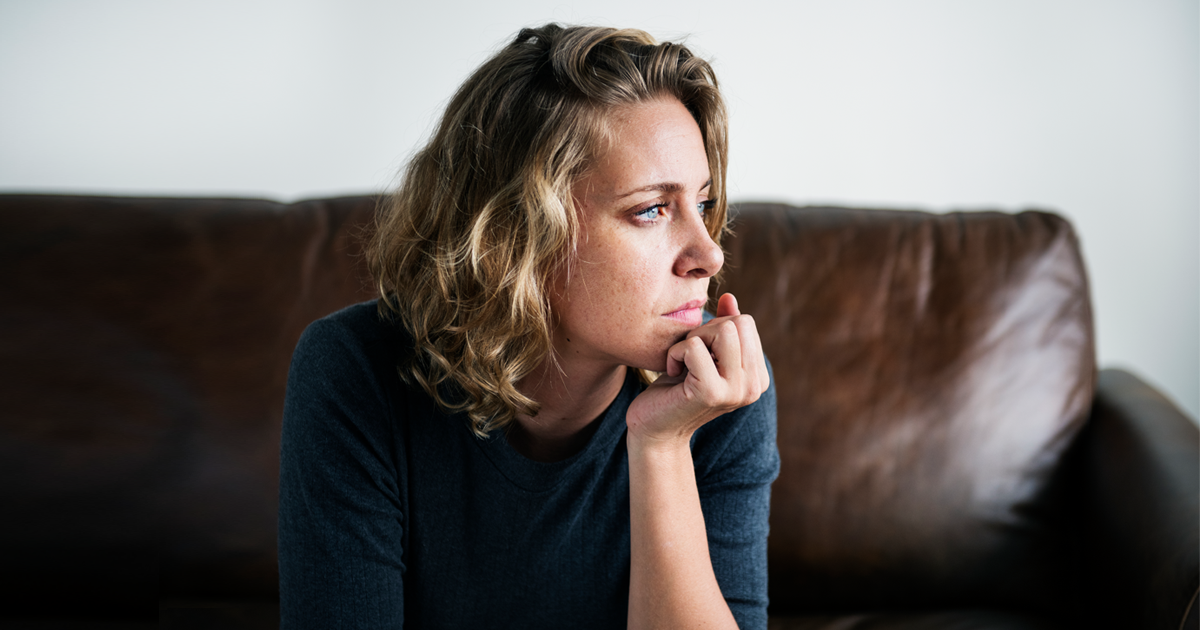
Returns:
point(645, 143)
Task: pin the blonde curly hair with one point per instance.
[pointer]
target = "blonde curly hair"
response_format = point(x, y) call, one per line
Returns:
point(464, 251)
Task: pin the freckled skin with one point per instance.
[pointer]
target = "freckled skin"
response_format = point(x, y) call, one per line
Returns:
point(635, 264)
point(630, 296)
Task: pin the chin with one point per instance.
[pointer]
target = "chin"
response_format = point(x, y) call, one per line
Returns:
point(655, 362)
point(651, 354)
point(661, 366)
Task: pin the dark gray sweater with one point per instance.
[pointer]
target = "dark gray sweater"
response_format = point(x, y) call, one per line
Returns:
point(392, 512)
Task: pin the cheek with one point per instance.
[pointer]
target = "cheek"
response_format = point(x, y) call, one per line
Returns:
point(632, 274)
point(632, 251)
point(620, 271)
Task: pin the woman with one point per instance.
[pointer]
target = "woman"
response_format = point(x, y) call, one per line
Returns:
point(479, 447)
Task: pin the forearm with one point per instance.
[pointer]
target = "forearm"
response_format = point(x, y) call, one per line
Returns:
point(671, 584)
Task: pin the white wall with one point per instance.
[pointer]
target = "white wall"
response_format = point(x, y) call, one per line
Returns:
point(1088, 107)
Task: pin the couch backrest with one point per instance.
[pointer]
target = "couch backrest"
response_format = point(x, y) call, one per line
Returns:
point(146, 350)
point(931, 369)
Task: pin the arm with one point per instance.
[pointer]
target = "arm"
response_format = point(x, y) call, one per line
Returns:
point(671, 583)
point(719, 368)
point(736, 462)
point(1141, 455)
point(340, 523)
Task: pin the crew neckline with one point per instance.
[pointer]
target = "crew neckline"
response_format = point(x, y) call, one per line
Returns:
point(535, 476)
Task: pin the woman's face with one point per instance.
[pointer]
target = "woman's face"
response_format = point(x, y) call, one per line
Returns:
point(639, 277)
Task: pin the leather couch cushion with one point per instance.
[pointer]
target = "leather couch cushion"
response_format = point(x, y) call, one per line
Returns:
point(146, 350)
point(931, 369)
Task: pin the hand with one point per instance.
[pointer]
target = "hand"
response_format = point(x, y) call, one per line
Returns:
point(719, 367)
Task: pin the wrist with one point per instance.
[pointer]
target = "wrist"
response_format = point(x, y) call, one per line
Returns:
point(658, 446)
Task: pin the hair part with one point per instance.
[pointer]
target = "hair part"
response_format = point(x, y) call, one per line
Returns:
point(464, 251)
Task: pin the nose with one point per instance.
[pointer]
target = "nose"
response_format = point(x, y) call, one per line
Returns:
point(699, 256)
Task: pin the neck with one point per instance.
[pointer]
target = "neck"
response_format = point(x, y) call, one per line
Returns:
point(572, 397)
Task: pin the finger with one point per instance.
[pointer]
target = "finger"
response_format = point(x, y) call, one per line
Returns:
point(701, 366)
point(732, 349)
point(753, 360)
point(675, 358)
point(711, 329)
point(708, 330)
point(727, 305)
point(726, 348)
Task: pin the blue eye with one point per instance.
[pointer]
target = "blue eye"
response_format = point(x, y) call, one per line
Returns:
point(652, 213)
point(704, 206)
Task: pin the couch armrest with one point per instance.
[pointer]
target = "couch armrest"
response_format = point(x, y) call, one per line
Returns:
point(1142, 469)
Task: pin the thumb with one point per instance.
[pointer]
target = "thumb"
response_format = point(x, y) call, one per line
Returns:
point(727, 306)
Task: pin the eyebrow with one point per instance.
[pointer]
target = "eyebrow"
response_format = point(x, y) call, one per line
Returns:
point(666, 187)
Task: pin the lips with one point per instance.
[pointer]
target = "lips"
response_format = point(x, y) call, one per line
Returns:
point(689, 314)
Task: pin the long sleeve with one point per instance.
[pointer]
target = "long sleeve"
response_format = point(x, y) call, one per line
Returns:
point(341, 522)
point(736, 461)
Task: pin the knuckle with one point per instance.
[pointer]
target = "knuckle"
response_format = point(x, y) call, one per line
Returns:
point(709, 398)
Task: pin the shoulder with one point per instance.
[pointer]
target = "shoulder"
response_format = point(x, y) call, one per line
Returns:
point(354, 339)
point(344, 371)
point(342, 470)
point(358, 328)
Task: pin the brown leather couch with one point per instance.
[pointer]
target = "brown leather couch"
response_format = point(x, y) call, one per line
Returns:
point(950, 458)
